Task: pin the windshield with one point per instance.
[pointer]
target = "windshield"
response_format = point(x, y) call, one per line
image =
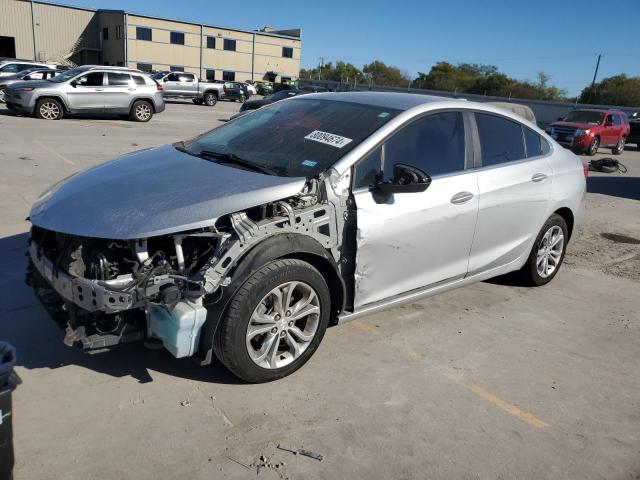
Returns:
point(274, 97)
point(296, 138)
point(582, 116)
point(68, 75)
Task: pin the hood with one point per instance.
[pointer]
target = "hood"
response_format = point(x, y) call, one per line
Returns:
point(582, 126)
point(28, 83)
point(254, 104)
point(154, 192)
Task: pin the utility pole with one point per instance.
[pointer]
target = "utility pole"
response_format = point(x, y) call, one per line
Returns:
point(320, 70)
point(595, 74)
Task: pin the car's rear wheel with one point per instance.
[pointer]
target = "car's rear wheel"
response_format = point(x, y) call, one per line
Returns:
point(547, 253)
point(141, 111)
point(593, 147)
point(619, 148)
point(275, 321)
point(49, 109)
point(2, 95)
point(210, 99)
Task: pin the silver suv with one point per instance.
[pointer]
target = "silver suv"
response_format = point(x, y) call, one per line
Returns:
point(88, 89)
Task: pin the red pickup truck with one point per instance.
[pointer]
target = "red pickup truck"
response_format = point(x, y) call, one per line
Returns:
point(586, 130)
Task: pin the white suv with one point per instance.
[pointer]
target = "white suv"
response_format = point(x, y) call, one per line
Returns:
point(11, 67)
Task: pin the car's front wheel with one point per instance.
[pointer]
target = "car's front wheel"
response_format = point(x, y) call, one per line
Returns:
point(49, 109)
point(275, 322)
point(593, 147)
point(619, 148)
point(141, 111)
point(547, 253)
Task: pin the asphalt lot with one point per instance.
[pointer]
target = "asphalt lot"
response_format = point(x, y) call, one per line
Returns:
point(489, 381)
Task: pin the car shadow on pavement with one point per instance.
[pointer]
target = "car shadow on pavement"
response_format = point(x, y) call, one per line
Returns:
point(616, 186)
point(38, 339)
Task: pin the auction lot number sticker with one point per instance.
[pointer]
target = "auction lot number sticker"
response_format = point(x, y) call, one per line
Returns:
point(328, 138)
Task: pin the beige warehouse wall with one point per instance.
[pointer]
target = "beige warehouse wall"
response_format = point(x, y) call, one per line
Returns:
point(58, 28)
point(15, 21)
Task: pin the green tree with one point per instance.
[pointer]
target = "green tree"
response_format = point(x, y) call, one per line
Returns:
point(381, 74)
point(617, 90)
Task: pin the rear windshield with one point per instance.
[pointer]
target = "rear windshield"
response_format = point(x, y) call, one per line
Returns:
point(295, 138)
point(578, 116)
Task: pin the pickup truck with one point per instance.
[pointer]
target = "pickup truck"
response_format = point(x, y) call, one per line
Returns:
point(187, 85)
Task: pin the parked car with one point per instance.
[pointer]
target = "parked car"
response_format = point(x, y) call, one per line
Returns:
point(269, 99)
point(88, 89)
point(26, 75)
point(586, 130)
point(283, 86)
point(11, 67)
point(247, 241)
point(634, 133)
point(250, 87)
point(314, 89)
point(235, 91)
point(264, 88)
point(187, 85)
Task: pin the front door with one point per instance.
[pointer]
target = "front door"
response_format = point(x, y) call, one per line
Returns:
point(87, 92)
point(514, 180)
point(415, 239)
point(172, 85)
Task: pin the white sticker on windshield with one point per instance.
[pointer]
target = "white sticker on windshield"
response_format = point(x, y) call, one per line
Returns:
point(328, 138)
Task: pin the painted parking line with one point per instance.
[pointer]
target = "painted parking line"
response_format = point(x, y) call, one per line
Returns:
point(53, 152)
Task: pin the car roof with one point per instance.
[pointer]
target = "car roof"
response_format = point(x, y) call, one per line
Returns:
point(398, 101)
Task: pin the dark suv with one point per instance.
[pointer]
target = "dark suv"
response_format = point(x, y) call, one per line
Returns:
point(585, 130)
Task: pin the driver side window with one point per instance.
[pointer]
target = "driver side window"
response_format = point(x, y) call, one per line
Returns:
point(435, 144)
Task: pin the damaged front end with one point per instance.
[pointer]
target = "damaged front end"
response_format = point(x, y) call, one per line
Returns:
point(106, 292)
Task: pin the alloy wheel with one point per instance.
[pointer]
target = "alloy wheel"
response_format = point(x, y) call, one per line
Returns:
point(143, 111)
point(283, 325)
point(49, 111)
point(550, 251)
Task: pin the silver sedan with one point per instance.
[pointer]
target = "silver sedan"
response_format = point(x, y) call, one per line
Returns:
point(249, 240)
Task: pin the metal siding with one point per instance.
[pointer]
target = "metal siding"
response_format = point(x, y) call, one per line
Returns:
point(15, 21)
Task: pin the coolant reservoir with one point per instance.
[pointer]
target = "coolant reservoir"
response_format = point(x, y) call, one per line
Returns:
point(179, 329)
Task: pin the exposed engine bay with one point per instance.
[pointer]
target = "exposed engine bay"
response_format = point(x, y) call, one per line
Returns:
point(106, 292)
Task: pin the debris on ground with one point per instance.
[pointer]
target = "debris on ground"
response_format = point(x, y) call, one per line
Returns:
point(302, 451)
point(264, 462)
point(185, 403)
point(238, 462)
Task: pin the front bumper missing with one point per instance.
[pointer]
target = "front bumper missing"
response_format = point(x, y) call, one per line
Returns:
point(87, 294)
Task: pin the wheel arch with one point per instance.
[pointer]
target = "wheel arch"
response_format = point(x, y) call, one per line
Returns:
point(144, 99)
point(568, 217)
point(212, 90)
point(284, 245)
point(54, 97)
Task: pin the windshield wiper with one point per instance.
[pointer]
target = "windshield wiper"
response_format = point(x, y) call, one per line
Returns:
point(234, 159)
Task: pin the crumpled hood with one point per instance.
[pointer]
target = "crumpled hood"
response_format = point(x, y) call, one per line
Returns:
point(154, 192)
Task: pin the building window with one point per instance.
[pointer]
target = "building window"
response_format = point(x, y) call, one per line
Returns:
point(175, 68)
point(145, 67)
point(229, 76)
point(211, 42)
point(177, 38)
point(105, 33)
point(143, 33)
point(119, 32)
point(211, 74)
point(229, 45)
point(287, 52)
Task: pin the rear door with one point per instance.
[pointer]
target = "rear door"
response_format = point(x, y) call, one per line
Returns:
point(87, 92)
point(514, 180)
point(118, 91)
point(415, 239)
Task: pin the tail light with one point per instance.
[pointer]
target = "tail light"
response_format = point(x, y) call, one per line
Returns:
point(224, 88)
point(159, 87)
point(585, 169)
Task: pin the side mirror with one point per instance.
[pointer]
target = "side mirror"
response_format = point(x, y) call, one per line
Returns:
point(406, 179)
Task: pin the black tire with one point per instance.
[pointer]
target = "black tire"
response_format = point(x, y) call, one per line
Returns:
point(49, 109)
point(593, 147)
point(619, 148)
point(210, 99)
point(230, 343)
point(141, 111)
point(243, 99)
point(529, 274)
point(197, 101)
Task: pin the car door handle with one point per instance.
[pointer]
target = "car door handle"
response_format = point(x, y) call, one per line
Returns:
point(538, 177)
point(131, 89)
point(98, 89)
point(461, 197)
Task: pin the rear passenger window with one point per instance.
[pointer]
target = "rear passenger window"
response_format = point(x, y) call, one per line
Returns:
point(118, 79)
point(500, 139)
point(138, 80)
point(533, 142)
point(616, 120)
point(434, 144)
